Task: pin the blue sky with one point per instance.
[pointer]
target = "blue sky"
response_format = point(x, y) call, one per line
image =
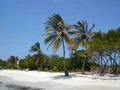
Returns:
point(22, 21)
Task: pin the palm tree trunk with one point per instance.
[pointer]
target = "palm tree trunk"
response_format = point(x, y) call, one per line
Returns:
point(74, 61)
point(65, 69)
point(83, 66)
point(40, 61)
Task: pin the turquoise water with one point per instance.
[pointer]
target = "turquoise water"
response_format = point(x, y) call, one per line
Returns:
point(16, 87)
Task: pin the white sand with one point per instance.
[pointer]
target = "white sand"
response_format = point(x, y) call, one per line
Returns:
point(57, 81)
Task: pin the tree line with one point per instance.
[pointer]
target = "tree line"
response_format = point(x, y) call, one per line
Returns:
point(88, 49)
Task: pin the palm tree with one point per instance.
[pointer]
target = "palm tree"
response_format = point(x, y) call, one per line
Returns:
point(57, 33)
point(36, 48)
point(38, 56)
point(73, 48)
point(12, 61)
point(83, 35)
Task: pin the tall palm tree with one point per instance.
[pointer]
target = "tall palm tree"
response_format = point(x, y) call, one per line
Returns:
point(57, 33)
point(38, 56)
point(73, 48)
point(83, 35)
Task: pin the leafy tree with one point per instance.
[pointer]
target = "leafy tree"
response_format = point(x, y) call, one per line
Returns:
point(38, 57)
point(106, 45)
point(24, 63)
point(3, 63)
point(12, 62)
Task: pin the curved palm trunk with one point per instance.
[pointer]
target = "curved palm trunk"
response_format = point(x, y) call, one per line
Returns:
point(83, 66)
point(40, 55)
point(74, 61)
point(65, 69)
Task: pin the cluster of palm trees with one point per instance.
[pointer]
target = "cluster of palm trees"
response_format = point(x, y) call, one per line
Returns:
point(58, 33)
point(86, 47)
point(105, 47)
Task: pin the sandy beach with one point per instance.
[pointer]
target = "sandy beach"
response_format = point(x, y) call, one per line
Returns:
point(57, 81)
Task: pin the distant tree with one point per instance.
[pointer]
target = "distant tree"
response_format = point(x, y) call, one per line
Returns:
point(56, 63)
point(38, 56)
point(3, 63)
point(106, 46)
point(12, 61)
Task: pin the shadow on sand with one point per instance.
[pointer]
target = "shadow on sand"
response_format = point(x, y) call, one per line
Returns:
point(17, 87)
point(88, 76)
point(68, 77)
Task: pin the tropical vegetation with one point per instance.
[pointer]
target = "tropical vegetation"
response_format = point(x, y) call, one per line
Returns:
point(87, 49)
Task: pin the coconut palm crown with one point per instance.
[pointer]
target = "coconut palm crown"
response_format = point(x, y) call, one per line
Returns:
point(83, 33)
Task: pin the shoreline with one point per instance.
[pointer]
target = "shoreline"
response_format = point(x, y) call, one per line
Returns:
point(57, 81)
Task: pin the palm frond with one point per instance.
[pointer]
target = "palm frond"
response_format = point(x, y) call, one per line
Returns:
point(66, 38)
point(49, 29)
point(86, 25)
point(35, 47)
point(51, 43)
point(91, 28)
point(49, 38)
point(72, 32)
point(56, 44)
